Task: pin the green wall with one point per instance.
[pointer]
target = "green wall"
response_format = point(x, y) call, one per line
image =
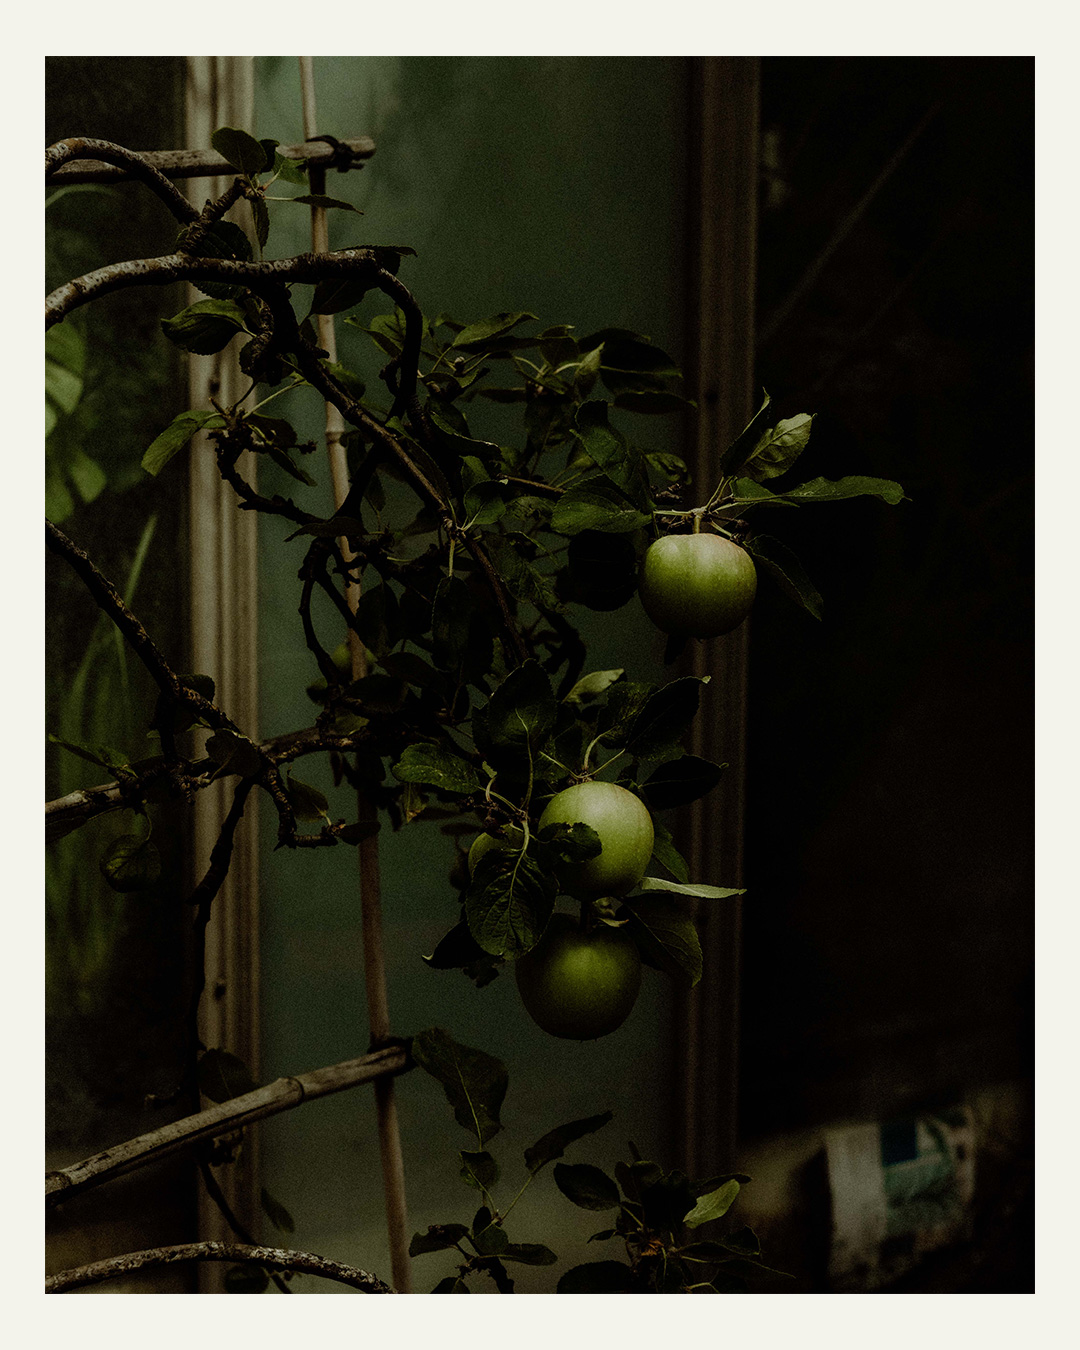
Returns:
point(554, 185)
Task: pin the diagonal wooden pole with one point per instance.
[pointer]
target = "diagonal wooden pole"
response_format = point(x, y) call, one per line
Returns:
point(370, 890)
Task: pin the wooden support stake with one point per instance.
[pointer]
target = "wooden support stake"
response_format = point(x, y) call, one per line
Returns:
point(368, 849)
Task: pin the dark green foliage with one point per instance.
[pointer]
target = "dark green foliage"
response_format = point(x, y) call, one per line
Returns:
point(473, 549)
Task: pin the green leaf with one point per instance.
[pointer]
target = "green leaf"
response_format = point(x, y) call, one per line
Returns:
point(436, 766)
point(586, 1186)
point(744, 1241)
point(631, 364)
point(248, 1278)
point(452, 1284)
point(113, 760)
point(781, 564)
point(285, 461)
point(474, 1082)
point(596, 504)
point(180, 715)
point(523, 580)
point(665, 1196)
point(488, 1238)
point(205, 327)
point(456, 949)
point(623, 704)
point(680, 781)
point(289, 169)
point(234, 753)
point(479, 1169)
point(779, 447)
point(740, 1267)
point(64, 344)
point(223, 1076)
point(737, 453)
point(438, 1238)
point(667, 937)
point(328, 203)
point(477, 334)
point(529, 1254)
point(308, 802)
point(87, 475)
point(131, 863)
point(509, 903)
point(241, 150)
point(336, 294)
point(696, 889)
point(553, 1144)
point(522, 711)
point(670, 467)
point(175, 436)
point(607, 448)
point(591, 686)
point(705, 1253)
point(224, 239)
point(824, 490)
point(666, 854)
point(573, 843)
point(377, 619)
point(597, 1277)
point(276, 1212)
point(714, 1205)
point(63, 380)
point(665, 717)
point(260, 215)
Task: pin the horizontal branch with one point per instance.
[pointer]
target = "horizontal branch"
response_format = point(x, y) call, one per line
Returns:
point(208, 163)
point(67, 813)
point(265, 277)
point(281, 1095)
point(272, 1258)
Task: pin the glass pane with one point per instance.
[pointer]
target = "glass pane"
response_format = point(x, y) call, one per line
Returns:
point(116, 977)
point(548, 185)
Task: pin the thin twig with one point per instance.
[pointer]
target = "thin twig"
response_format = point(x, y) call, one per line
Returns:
point(136, 636)
point(273, 1258)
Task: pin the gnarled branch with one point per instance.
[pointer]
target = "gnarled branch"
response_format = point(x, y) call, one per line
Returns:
point(272, 1258)
point(208, 163)
point(131, 161)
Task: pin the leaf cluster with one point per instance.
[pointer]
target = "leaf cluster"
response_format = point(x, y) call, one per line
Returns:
point(475, 1084)
point(656, 1215)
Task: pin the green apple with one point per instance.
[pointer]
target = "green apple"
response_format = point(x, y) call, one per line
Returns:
point(579, 985)
point(625, 828)
point(697, 585)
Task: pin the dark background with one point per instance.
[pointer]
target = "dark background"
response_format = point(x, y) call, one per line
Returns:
point(888, 957)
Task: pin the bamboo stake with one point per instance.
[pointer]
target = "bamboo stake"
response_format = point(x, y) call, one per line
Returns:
point(378, 1008)
point(226, 1118)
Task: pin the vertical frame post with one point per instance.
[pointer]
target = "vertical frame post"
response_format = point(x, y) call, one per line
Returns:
point(723, 233)
point(223, 638)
